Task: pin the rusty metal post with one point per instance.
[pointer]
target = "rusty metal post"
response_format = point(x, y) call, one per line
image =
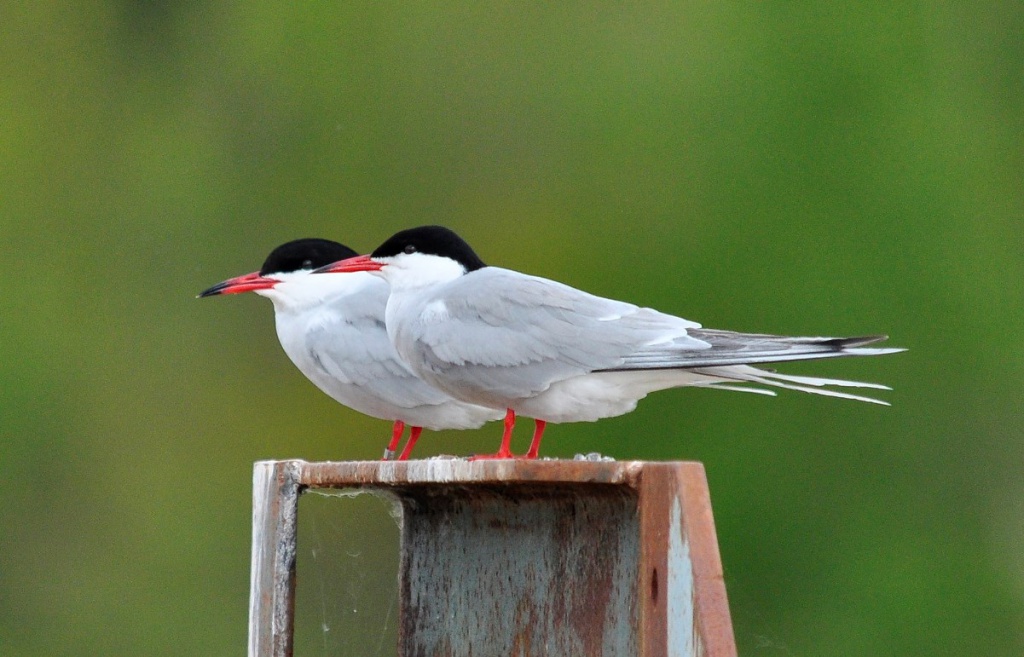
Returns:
point(686, 610)
point(275, 508)
point(519, 557)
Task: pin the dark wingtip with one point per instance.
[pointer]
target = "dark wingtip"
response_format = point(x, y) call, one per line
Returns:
point(861, 341)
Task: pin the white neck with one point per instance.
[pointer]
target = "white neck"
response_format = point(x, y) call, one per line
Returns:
point(301, 290)
point(411, 271)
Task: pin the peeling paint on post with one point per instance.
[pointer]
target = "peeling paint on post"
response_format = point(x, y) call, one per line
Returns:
point(519, 557)
point(519, 570)
point(275, 507)
point(681, 637)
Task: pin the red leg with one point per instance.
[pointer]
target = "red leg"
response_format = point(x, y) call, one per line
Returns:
point(396, 435)
point(414, 435)
point(538, 433)
point(505, 452)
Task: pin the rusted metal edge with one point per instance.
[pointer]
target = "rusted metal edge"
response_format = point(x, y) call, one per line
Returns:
point(713, 621)
point(685, 610)
point(339, 474)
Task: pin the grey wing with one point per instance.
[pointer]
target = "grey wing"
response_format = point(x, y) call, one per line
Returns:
point(514, 335)
point(351, 345)
point(730, 348)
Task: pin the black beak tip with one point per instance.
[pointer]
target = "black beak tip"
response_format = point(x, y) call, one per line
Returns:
point(211, 291)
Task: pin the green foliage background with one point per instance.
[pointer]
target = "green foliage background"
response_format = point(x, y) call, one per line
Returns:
point(776, 167)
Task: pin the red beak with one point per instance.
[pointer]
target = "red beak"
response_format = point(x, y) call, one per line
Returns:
point(247, 283)
point(358, 263)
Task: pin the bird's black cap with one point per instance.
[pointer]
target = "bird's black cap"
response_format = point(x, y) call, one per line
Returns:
point(431, 240)
point(309, 253)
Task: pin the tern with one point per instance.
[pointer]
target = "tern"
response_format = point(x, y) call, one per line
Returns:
point(332, 329)
point(539, 348)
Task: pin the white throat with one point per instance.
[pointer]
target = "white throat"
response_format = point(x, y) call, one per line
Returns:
point(301, 290)
point(411, 271)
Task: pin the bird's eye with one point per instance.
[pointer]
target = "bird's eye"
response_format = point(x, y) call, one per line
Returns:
point(409, 248)
point(307, 264)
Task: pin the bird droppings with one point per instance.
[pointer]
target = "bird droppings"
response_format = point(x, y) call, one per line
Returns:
point(592, 456)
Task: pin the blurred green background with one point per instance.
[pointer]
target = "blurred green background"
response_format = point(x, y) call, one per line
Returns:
point(779, 167)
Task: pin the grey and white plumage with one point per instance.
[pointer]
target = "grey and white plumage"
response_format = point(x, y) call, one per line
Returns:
point(504, 339)
point(332, 328)
point(337, 338)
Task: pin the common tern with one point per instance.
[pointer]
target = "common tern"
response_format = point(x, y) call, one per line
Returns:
point(332, 329)
point(539, 348)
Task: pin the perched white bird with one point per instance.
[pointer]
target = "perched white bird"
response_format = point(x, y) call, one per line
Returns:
point(538, 348)
point(332, 328)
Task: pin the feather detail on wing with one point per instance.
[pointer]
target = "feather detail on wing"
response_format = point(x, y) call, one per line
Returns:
point(730, 348)
point(514, 335)
point(731, 355)
point(351, 347)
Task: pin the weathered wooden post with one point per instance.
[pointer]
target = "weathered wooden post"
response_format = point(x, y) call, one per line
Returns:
point(518, 557)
